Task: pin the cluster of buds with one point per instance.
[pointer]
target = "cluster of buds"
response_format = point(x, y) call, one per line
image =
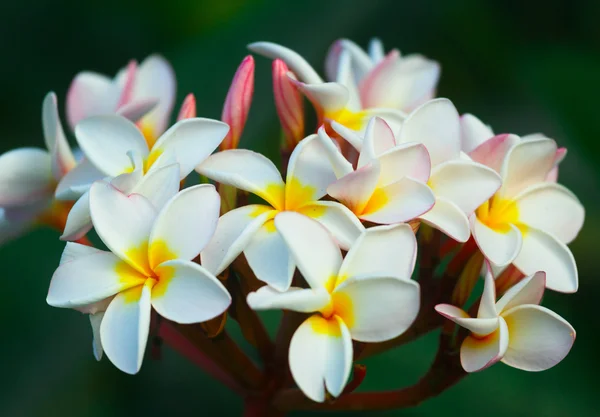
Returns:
point(389, 174)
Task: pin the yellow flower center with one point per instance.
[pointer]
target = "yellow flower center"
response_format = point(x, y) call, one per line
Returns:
point(499, 214)
point(351, 119)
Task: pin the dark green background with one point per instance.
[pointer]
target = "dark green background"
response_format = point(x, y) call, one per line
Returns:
point(521, 66)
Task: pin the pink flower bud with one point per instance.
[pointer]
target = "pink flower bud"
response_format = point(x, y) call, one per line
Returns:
point(188, 108)
point(288, 102)
point(237, 103)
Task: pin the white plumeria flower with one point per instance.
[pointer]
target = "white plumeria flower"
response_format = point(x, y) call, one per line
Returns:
point(251, 229)
point(144, 94)
point(368, 297)
point(338, 101)
point(529, 221)
point(116, 149)
point(389, 183)
point(28, 178)
point(386, 80)
point(149, 265)
point(514, 330)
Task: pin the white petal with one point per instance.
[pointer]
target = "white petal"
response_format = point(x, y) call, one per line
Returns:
point(123, 223)
point(234, 231)
point(449, 219)
point(293, 60)
point(499, 247)
point(96, 321)
point(188, 293)
point(356, 188)
point(477, 354)
point(25, 177)
point(351, 136)
point(311, 246)
point(379, 138)
point(75, 251)
point(294, 299)
point(405, 160)
point(473, 132)
point(91, 94)
point(361, 62)
point(321, 357)
point(106, 140)
point(487, 305)
point(246, 170)
point(543, 252)
point(341, 166)
point(479, 326)
point(79, 220)
point(125, 327)
point(185, 225)
point(192, 141)
point(539, 338)
point(552, 208)
point(159, 185)
point(269, 257)
point(493, 151)
point(90, 279)
point(527, 291)
point(467, 184)
point(135, 110)
point(77, 181)
point(343, 225)
point(382, 251)
point(14, 222)
point(345, 76)
point(376, 309)
point(435, 124)
point(328, 97)
point(56, 141)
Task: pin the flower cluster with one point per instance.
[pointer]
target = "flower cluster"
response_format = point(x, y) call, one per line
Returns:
point(332, 236)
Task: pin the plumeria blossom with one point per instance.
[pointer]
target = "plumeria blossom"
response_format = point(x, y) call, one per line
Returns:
point(28, 178)
point(289, 103)
point(389, 183)
point(143, 93)
point(386, 80)
point(529, 220)
point(250, 229)
point(116, 148)
point(514, 330)
point(339, 100)
point(149, 266)
point(367, 297)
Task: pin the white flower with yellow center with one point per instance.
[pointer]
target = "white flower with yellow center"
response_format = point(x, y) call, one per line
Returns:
point(251, 230)
point(514, 330)
point(149, 266)
point(367, 297)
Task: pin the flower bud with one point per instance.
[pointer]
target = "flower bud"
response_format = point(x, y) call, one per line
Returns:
point(288, 102)
point(237, 103)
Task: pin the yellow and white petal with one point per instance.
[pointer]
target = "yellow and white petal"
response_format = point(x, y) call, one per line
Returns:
point(106, 141)
point(309, 173)
point(343, 225)
point(467, 184)
point(159, 185)
point(376, 309)
point(320, 357)
point(269, 257)
point(435, 124)
point(473, 132)
point(96, 321)
point(295, 299)
point(478, 353)
point(382, 251)
point(479, 326)
point(527, 291)
point(379, 138)
point(123, 223)
point(90, 279)
point(405, 160)
point(234, 232)
point(248, 171)
point(355, 189)
point(448, 218)
point(539, 338)
point(185, 225)
point(340, 165)
point(188, 293)
point(79, 220)
point(398, 202)
point(25, 177)
point(191, 141)
point(311, 246)
point(552, 208)
point(543, 252)
point(526, 163)
point(500, 247)
point(56, 141)
point(297, 64)
point(493, 151)
point(77, 181)
point(91, 94)
point(125, 327)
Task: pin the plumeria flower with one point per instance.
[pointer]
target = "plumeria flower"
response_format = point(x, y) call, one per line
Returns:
point(143, 93)
point(289, 104)
point(149, 266)
point(28, 179)
point(339, 100)
point(251, 230)
point(237, 103)
point(514, 330)
point(386, 80)
point(529, 221)
point(389, 183)
point(116, 148)
point(367, 297)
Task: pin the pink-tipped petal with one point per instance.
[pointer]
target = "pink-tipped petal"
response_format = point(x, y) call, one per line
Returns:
point(288, 103)
point(128, 81)
point(473, 132)
point(492, 152)
point(237, 103)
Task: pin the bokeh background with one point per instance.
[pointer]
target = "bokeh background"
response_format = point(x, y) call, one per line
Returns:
point(520, 66)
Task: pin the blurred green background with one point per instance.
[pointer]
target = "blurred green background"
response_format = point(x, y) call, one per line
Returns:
point(521, 66)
